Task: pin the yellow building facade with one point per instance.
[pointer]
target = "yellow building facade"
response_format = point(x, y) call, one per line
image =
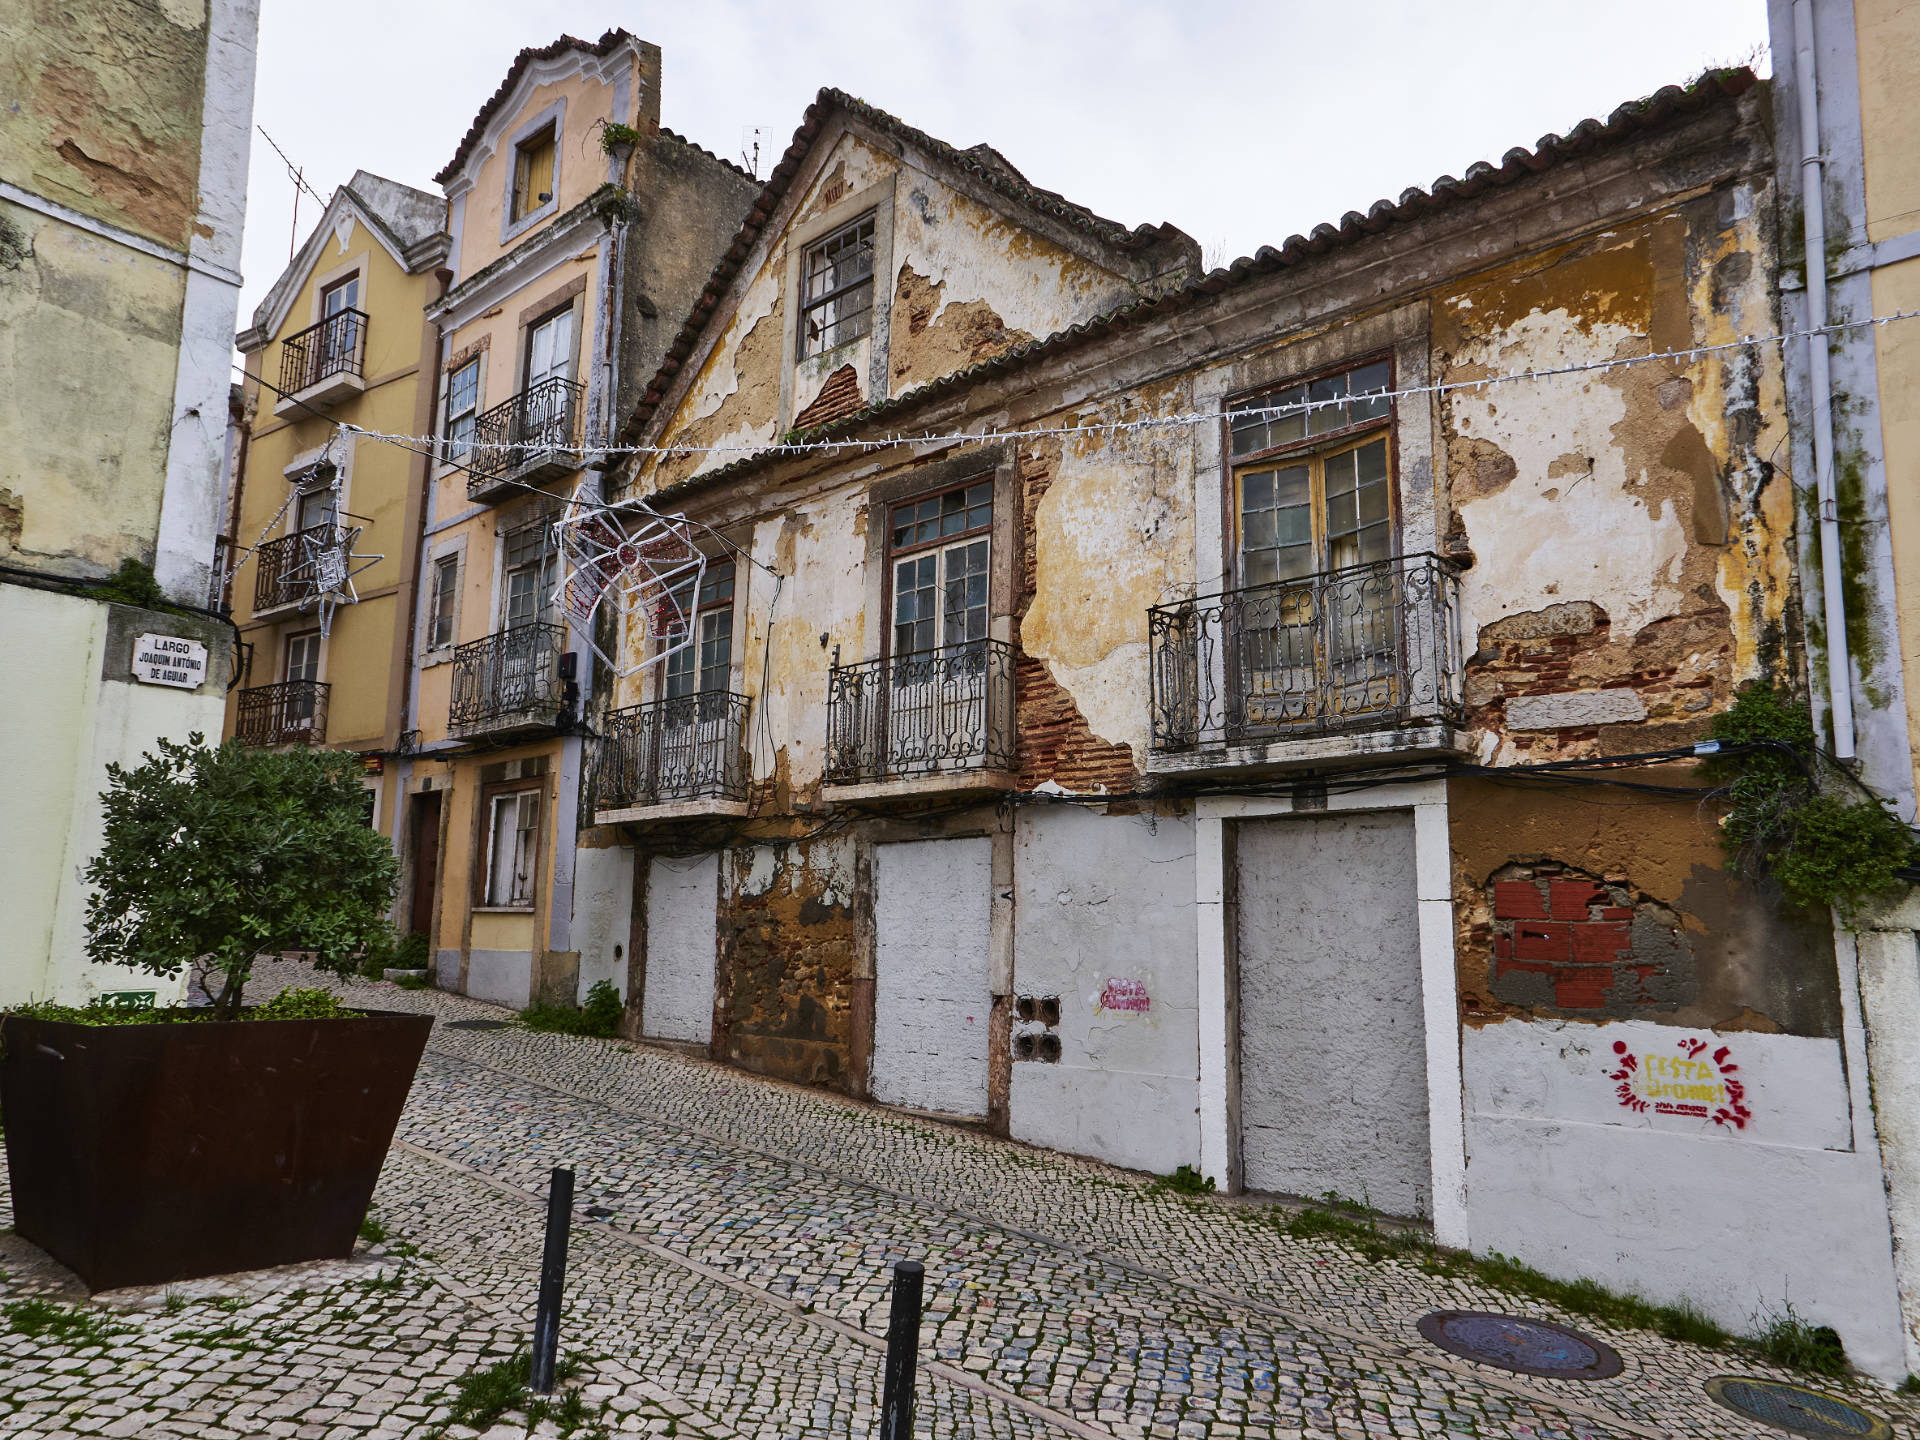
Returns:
point(580, 231)
point(338, 342)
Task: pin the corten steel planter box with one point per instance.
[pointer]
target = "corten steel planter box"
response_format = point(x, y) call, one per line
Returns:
point(141, 1154)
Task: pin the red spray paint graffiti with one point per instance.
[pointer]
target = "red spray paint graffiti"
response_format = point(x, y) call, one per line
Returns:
point(1687, 1081)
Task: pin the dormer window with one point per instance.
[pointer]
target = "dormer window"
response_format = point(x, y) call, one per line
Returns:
point(836, 288)
point(533, 174)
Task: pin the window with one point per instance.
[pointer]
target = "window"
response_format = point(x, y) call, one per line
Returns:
point(303, 665)
point(707, 664)
point(531, 565)
point(342, 295)
point(1313, 489)
point(550, 348)
point(463, 408)
point(446, 597)
point(836, 288)
point(941, 547)
point(318, 504)
point(511, 849)
point(532, 174)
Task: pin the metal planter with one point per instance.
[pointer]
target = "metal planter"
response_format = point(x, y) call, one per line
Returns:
point(141, 1154)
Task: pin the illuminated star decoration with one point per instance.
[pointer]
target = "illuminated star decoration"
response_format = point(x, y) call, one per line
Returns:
point(325, 569)
point(646, 562)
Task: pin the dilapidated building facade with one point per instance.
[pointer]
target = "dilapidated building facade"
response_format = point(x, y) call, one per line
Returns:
point(1245, 720)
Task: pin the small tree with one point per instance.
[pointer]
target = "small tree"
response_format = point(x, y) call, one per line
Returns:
point(230, 853)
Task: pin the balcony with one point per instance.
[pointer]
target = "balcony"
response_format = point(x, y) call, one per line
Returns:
point(940, 721)
point(678, 759)
point(285, 571)
point(1352, 663)
point(508, 682)
point(293, 712)
point(531, 438)
point(323, 363)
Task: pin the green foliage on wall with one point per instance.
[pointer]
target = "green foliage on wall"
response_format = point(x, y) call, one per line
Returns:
point(1794, 817)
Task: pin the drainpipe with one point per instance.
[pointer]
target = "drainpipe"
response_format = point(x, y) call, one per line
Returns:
point(1813, 207)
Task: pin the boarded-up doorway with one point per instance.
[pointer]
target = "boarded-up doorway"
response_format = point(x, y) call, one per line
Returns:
point(1333, 1072)
point(683, 896)
point(931, 1000)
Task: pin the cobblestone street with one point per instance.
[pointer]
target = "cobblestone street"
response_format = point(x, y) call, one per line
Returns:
point(728, 1276)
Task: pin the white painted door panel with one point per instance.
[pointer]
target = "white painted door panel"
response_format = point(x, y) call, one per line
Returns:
point(930, 996)
point(682, 928)
point(1333, 1072)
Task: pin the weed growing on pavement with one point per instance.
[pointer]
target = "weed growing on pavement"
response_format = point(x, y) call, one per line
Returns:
point(71, 1325)
point(410, 982)
point(599, 1017)
point(371, 1230)
point(482, 1396)
point(230, 1304)
point(1184, 1181)
point(175, 1302)
point(383, 1283)
point(1787, 1340)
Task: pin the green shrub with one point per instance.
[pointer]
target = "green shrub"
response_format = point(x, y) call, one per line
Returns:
point(1788, 1341)
point(229, 853)
point(302, 1004)
point(598, 1017)
point(1183, 1181)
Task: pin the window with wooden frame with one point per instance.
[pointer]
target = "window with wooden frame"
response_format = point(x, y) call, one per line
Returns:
point(513, 834)
point(705, 666)
point(1313, 488)
point(445, 602)
point(1314, 634)
point(939, 548)
point(836, 288)
point(463, 409)
point(319, 503)
point(533, 173)
point(529, 567)
point(302, 665)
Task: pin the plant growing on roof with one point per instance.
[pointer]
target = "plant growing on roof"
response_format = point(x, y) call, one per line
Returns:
point(226, 853)
point(1791, 818)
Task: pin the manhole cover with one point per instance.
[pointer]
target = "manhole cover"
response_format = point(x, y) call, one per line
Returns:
point(1796, 1409)
point(1532, 1347)
point(476, 1024)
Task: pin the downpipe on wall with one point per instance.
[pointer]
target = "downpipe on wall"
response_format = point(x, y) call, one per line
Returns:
point(1820, 378)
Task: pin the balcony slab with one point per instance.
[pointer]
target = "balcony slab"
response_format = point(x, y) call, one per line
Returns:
point(1278, 754)
point(696, 809)
point(337, 387)
point(947, 783)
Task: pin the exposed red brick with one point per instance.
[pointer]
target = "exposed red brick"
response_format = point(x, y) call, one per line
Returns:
point(1542, 940)
point(1601, 943)
point(1518, 900)
point(838, 398)
point(1570, 898)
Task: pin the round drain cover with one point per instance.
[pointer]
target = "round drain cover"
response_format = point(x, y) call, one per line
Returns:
point(1796, 1409)
point(1532, 1347)
point(476, 1024)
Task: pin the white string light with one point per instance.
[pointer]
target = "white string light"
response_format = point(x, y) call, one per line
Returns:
point(1211, 417)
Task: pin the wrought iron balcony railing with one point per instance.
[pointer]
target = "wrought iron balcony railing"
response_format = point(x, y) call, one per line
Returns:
point(292, 712)
point(1367, 647)
point(336, 346)
point(922, 714)
point(283, 572)
point(508, 680)
point(692, 747)
point(539, 427)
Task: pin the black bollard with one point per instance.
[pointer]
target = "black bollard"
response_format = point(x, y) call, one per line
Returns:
point(553, 1276)
point(903, 1344)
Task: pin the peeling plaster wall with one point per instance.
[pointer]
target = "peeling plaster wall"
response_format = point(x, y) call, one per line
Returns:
point(964, 283)
point(1650, 495)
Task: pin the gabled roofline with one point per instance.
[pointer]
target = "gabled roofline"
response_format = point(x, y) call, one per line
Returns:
point(271, 313)
point(1667, 107)
point(982, 163)
point(611, 41)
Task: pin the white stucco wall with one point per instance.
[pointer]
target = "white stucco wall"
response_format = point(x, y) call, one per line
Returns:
point(931, 1001)
point(682, 928)
point(1099, 899)
point(1737, 1220)
point(603, 915)
point(65, 723)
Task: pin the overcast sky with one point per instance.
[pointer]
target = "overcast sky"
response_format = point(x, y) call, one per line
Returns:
point(1242, 123)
